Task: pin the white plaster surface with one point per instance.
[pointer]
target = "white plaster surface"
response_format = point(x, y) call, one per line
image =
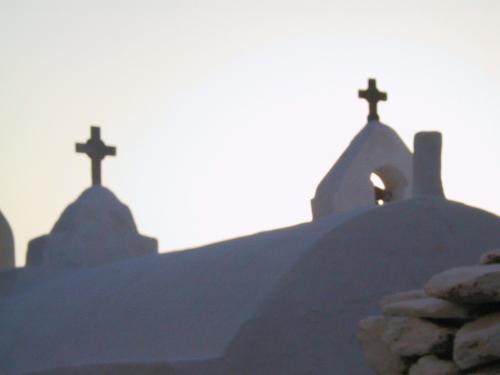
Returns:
point(97, 228)
point(427, 165)
point(280, 302)
point(123, 368)
point(183, 305)
point(376, 148)
point(308, 322)
point(7, 253)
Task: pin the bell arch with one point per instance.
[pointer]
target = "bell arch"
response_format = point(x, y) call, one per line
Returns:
point(389, 183)
point(378, 149)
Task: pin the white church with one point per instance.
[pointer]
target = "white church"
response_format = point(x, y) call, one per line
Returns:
point(96, 297)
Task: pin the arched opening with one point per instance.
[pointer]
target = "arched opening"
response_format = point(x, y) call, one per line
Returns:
point(382, 194)
point(389, 184)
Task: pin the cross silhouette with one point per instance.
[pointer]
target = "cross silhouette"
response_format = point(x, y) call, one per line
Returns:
point(373, 96)
point(96, 150)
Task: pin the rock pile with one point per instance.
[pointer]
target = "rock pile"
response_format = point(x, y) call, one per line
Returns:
point(450, 327)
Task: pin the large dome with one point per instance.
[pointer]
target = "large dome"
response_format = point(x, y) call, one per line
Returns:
point(308, 323)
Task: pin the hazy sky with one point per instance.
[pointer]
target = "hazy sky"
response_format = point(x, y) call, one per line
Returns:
point(227, 114)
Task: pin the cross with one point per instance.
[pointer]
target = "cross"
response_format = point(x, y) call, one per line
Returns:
point(96, 150)
point(373, 96)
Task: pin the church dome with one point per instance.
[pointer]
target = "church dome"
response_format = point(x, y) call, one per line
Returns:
point(7, 254)
point(307, 323)
point(96, 228)
point(96, 208)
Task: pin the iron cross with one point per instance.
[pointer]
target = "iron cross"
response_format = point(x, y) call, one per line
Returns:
point(373, 96)
point(96, 150)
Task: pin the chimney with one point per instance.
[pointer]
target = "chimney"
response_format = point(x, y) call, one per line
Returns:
point(427, 165)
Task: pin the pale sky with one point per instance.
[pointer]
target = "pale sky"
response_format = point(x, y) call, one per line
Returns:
point(226, 113)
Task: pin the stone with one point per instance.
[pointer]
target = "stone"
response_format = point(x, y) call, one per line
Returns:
point(388, 342)
point(478, 342)
point(415, 337)
point(403, 296)
point(487, 370)
point(429, 308)
point(473, 284)
point(491, 257)
point(432, 365)
point(377, 351)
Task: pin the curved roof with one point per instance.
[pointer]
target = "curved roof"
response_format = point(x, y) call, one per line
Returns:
point(275, 302)
point(185, 305)
point(308, 324)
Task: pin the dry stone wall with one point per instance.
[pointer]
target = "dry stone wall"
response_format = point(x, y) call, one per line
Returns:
point(450, 327)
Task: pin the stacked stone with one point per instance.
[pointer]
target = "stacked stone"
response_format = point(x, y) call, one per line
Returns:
point(450, 327)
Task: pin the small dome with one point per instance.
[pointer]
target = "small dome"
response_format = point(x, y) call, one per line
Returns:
point(96, 206)
point(97, 228)
point(7, 254)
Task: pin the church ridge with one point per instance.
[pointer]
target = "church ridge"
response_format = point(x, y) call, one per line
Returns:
point(96, 150)
point(372, 95)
